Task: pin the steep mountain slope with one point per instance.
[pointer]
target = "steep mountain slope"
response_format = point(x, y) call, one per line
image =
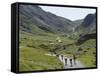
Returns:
point(35, 20)
point(89, 20)
point(88, 25)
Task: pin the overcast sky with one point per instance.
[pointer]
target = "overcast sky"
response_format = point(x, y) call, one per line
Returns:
point(69, 12)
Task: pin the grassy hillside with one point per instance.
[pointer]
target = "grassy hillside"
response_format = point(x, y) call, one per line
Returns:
point(34, 50)
point(89, 53)
point(33, 53)
point(86, 53)
point(35, 59)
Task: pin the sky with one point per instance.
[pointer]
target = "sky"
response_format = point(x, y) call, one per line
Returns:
point(69, 12)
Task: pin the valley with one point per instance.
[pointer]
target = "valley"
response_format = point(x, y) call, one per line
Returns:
point(44, 37)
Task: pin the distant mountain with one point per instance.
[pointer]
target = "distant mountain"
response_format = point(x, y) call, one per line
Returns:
point(89, 20)
point(88, 24)
point(78, 22)
point(34, 19)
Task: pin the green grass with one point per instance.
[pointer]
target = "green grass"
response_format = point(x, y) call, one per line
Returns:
point(89, 56)
point(35, 59)
point(34, 47)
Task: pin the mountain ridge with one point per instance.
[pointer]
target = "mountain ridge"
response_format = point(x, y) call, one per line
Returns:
point(88, 25)
point(42, 19)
